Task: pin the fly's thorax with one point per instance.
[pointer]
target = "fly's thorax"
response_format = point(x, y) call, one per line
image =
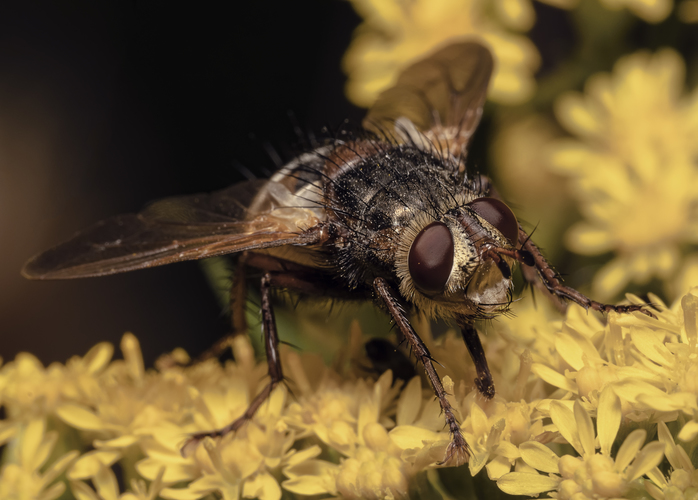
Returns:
point(446, 268)
point(373, 198)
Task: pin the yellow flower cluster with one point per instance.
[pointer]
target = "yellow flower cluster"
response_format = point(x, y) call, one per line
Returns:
point(576, 401)
point(634, 166)
point(397, 32)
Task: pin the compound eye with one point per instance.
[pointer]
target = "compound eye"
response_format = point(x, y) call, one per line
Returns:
point(499, 215)
point(431, 258)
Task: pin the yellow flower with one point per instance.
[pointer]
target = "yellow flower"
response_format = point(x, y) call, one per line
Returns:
point(539, 195)
point(238, 464)
point(29, 390)
point(493, 429)
point(668, 348)
point(520, 14)
point(26, 473)
point(333, 409)
point(591, 475)
point(634, 167)
point(688, 11)
point(591, 356)
point(373, 469)
point(652, 11)
point(350, 417)
point(397, 32)
point(682, 482)
point(106, 487)
point(128, 403)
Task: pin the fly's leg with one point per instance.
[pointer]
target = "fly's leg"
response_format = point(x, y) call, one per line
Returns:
point(551, 280)
point(483, 382)
point(271, 346)
point(547, 276)
point(300, 281)
point(458, 449)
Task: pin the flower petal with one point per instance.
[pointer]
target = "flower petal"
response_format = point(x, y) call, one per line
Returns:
point(564, 419)
point(79, 417)
point(539, 456)
point(91, 462)
point(409, 436)
point(554, 378)
point(523, 483)
point(608, 417)
point(650, 456)
point(628, 450)
point(585, 428)
point(410, 402)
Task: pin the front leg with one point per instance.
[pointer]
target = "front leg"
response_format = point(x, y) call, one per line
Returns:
point(532, 259)
point(458, 449)
point(551, 280)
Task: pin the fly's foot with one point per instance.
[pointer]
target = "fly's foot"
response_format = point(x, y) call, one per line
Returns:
point(193, 441)
point(625, 309)
point(485, 387)
point(458, 451)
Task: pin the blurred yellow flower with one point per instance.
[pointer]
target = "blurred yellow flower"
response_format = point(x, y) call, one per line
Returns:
point(688, 11)
point(652, 11)
point(520, 14)
point(538, 196)
point(30, 390)
point(106, 487)
point(397, 32)
point(25, 473)
point(635, 168)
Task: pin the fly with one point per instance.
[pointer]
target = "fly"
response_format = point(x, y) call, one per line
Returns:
point(387, 215)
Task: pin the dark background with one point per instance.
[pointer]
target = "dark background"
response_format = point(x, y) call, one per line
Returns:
point(106, 106)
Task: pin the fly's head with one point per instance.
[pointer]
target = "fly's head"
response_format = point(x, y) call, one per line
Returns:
point(461, 263)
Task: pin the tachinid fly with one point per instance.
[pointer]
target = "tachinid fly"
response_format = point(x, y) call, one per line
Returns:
point(387, 215)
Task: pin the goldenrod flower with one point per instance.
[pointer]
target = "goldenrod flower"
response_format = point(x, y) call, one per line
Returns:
point(538, 196)
point(652, 11)
point(351, 418)
point(634, 167)
point(106, 487)
point(667, 348)
point(688, 11)
point(591, 475)
point(682, 482)
point(592, 357)
point(520, 14)
point(240, 463)
point(493, 429)
point(31, 391)
point(25, 473)
point(351, 437)
point(397, 32)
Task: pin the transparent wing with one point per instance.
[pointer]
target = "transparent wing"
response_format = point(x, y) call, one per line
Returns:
point(170, 230)
point(442, 94)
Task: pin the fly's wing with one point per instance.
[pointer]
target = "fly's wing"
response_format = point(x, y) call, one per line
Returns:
point(170, 230)
point(441, 96)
